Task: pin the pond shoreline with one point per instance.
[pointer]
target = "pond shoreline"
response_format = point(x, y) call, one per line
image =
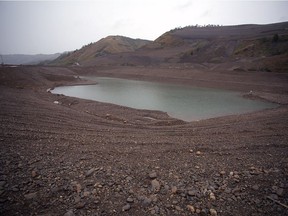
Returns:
point(168, 100)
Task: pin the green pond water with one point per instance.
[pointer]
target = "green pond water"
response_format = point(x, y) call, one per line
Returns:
point(182, 102)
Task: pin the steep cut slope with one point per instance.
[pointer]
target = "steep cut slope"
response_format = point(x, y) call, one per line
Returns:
point(105, 46)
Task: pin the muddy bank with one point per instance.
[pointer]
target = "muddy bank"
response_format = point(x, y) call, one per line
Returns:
point(81, 157)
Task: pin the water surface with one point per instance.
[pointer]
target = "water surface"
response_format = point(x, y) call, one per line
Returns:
point(182, 102)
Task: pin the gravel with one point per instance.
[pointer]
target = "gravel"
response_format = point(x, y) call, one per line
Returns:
point(74, 160)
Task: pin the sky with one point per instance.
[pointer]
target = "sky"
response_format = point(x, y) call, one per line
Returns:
point(47, 27)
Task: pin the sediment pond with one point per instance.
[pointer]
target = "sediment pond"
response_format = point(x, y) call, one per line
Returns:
point(183, 102)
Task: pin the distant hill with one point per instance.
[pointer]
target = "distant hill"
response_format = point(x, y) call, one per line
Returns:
point(103, 47)
point(18, 59)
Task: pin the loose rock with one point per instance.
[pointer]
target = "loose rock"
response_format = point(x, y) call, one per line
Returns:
point(155, 185)
point(80, 205)
point(191, 208)
point(33, 174)
point(69, 213)
point(213, 212)
point(152, 175)
point(212, 196)
point(130, 200)
point(255, 187)
point(30, 196)
point(86, 194)
point(146, 201)
point(191, 192)
point(157, 209)
point(280, 192)
point(2, 184)
point(174, 189)
point(89, 172)
point(126, 207)
point(178, 208)
point(78, 188)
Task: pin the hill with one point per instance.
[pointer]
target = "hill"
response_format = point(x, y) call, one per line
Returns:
point(250, 44)
point(103, 47)
point(18, 59)
point(243, 47)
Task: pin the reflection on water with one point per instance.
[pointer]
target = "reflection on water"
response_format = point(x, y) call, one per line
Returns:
point(182, 102)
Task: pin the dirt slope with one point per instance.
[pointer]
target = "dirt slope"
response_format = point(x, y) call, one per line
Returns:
point(79, 157)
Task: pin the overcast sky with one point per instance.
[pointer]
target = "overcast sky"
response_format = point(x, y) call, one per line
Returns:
point(56, 26)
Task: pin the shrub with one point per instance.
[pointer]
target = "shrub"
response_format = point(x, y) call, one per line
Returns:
point(275, 38)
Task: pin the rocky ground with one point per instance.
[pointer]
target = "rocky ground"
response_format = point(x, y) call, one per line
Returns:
point(67, 156)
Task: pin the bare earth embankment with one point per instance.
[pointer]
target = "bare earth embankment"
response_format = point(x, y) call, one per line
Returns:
point(79, 157)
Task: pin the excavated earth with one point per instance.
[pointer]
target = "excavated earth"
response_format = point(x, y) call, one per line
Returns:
point(66, 156)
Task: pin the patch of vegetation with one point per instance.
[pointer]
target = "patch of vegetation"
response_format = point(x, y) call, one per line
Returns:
point(275, 38)
point(101, 53)
point(64, 55)
point(87, 45)
point(195, 26)
point(197, 46)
